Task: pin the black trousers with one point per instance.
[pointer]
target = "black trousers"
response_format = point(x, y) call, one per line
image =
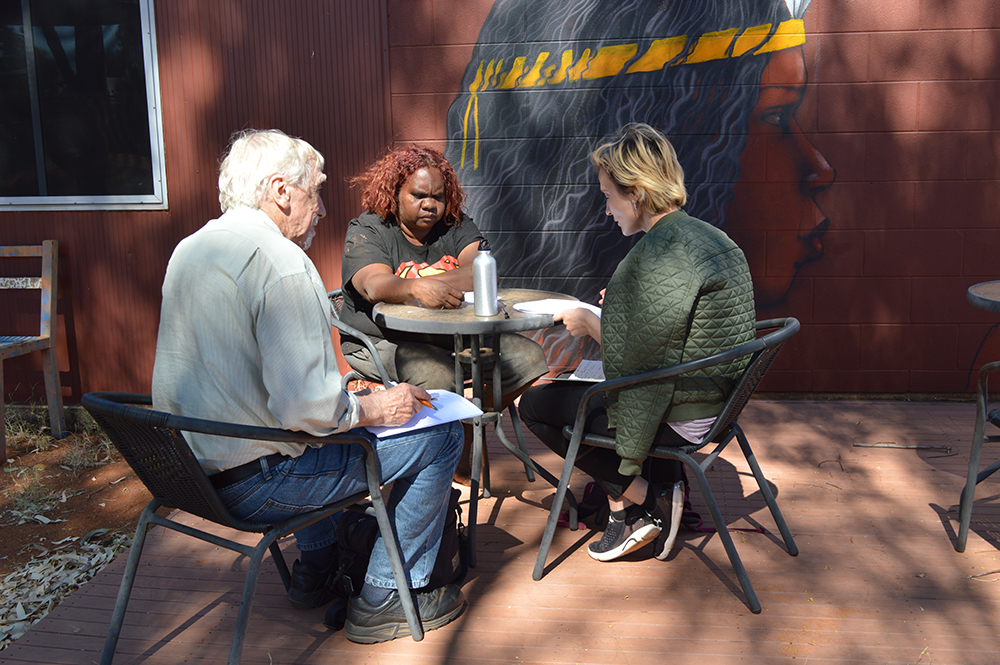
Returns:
point(547, 408)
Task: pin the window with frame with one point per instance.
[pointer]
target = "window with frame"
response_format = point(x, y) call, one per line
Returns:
point(80, 123)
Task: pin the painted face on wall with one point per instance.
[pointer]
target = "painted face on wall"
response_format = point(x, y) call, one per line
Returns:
point(421, 203)
point(774, 206)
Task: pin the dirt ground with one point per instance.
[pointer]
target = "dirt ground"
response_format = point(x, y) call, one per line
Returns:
point(51, 490)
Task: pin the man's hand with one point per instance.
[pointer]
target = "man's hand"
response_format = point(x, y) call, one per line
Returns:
point(391, 407)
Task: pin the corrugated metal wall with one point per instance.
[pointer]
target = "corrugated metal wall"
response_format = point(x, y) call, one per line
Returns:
point(313, 68)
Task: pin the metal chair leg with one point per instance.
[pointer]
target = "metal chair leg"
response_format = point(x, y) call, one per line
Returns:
point(477, 467)
point(128, 579)
point(723, 531)
point(392, 549)
point(550, 526)
point(249, 588)
point(765, 489)
point(519, 435)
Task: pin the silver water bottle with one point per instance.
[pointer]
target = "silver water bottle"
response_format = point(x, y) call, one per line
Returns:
point(484, 281)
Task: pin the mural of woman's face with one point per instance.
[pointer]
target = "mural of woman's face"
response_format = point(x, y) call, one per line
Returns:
point(774, 208)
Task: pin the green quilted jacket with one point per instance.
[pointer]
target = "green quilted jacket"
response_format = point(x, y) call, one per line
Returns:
point(682, 293)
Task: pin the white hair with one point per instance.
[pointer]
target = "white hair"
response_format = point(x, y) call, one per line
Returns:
point(254, 156)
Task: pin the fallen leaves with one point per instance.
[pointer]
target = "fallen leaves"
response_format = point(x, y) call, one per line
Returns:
point(29, 594)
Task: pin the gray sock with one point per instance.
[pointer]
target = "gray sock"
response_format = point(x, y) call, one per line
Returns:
point(374, 595)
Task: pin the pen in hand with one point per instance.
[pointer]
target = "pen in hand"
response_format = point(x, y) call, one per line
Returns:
point(426, 402)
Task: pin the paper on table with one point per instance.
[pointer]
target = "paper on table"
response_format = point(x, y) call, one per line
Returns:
point(553, 306)
point(450, 407)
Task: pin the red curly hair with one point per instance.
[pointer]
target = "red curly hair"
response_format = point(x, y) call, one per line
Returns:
point(381, 182)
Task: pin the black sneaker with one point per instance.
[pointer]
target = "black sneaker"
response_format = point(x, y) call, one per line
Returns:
point(308, 588)
point(668, 511)
point(368, 624)
point(624, 536)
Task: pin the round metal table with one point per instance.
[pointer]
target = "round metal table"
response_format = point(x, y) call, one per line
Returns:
point(413, 317)
point(985, 295)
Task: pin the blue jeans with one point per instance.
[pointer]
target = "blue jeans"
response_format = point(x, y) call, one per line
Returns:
point(420, 465)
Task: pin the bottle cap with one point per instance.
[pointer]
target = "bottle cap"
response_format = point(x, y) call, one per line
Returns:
point(484, 245)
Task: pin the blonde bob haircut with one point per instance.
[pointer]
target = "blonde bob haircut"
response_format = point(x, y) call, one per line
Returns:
point(643, 165)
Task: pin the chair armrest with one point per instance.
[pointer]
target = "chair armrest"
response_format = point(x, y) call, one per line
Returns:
point(122, 405)
point(785, 328)
point(336, 297)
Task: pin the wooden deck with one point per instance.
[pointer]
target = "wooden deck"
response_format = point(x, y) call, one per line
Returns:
point(877, 580)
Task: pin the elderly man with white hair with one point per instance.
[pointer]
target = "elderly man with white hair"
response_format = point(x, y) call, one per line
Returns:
point(244, 337)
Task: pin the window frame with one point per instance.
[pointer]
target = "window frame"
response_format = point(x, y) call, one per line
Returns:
point(155, 201)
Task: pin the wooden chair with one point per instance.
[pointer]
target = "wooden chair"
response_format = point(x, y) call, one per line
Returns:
point(151, 442)
point(762, 352)
point(44, 341)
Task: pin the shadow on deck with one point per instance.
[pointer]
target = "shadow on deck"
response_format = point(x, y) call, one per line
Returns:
point(877, 580)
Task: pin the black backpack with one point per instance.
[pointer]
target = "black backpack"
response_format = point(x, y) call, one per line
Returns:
point(356, 534)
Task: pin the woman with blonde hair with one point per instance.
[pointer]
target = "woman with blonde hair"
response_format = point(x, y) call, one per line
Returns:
point(682, 292)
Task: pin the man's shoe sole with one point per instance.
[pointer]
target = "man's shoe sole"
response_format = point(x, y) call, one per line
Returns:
point(635, 540)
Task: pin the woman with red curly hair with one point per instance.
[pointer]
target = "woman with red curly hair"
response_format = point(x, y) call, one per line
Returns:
point(414, 242)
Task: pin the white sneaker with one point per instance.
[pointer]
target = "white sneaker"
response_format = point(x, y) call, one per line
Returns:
point(674, 507)
point(624, 536)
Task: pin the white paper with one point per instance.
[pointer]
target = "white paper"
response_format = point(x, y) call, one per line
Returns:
point(450, 407)
point(588, 370)
point(554, 306)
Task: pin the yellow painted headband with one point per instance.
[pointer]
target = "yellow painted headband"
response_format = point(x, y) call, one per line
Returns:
point(610, 60)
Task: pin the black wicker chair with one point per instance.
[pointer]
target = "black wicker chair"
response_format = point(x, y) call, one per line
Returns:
point(151, 442)
point(762, 352)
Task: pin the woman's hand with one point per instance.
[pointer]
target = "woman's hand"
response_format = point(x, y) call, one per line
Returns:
point(436, 293)
point(600, 303)
point(394, 406)
point(580, 322)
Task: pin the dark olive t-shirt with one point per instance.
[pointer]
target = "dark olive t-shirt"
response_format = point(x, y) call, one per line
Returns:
point(369, 240)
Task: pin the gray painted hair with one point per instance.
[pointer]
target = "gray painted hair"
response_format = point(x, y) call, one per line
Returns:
point(254, 156)
point(533, 192)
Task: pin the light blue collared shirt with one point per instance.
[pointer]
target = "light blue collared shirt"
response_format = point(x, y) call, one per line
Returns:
point(244, 337)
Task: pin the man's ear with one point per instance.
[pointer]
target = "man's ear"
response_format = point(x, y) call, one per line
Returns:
point(278, 191)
